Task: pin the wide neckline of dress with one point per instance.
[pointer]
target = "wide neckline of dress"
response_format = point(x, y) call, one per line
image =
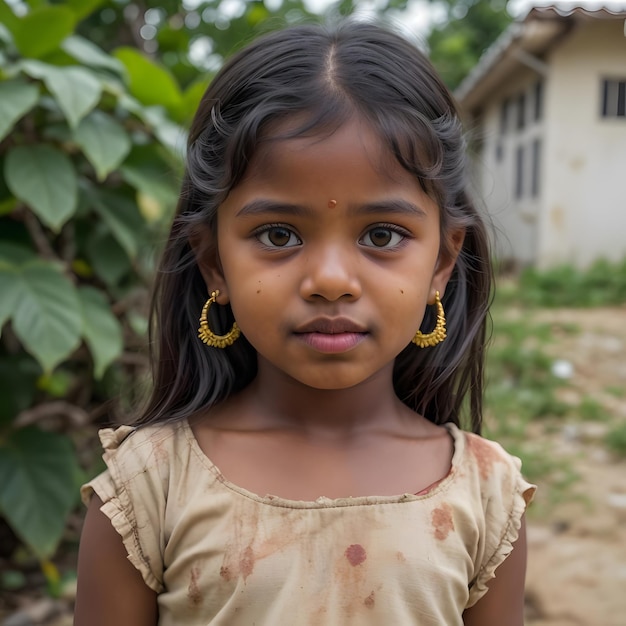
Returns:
point(323, 502)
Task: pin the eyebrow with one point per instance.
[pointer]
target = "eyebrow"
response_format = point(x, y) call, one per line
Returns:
point(396, 206)
point(263, 206)
point(393, 205)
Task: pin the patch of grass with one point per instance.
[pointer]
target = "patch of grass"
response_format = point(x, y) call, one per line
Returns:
point(616, 440)
point(603, 284)
point(591, 410)
point(519, 371)
point(616, 391)
point(522, 397)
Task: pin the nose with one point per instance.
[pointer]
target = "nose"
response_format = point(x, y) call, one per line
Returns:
point(331, 273)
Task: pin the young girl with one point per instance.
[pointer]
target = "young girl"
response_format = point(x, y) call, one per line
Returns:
point(301, 461)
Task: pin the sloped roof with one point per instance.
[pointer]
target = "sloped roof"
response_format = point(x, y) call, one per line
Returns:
point(524, 42)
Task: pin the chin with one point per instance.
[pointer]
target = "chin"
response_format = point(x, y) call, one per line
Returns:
point(332, 383)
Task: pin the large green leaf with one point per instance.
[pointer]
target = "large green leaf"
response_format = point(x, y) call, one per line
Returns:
point(82, 8)
point(10, 289)
point(88, 53)
point(15, 253)
point(122, 217)
point(191, 98)
point(76, 89)
point(18, 377)
point(101, 329)
point(42, 30)
point(45, 179)
point(47, 317)
point(150, 83)
point(37, 474)
point(109, 260)
point(167, 132)
point(7, 17)
point(17, 98)
point(147, 171)
point(104, 142)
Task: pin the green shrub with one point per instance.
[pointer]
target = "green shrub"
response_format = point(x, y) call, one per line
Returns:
point(603, 284)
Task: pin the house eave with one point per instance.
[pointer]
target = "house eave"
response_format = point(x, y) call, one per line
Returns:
point(523, 43)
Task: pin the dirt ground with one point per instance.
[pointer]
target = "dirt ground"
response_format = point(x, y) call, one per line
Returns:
point(577, 548)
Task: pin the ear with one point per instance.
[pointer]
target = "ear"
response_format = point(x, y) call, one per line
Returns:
point(204, 246)
point(445, 263)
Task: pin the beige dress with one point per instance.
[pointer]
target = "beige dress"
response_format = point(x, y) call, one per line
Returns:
point(220, 555)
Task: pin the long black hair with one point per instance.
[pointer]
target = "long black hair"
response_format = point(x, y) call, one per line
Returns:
point(321, 76)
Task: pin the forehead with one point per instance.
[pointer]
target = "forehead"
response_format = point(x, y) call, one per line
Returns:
point(353, 144)
point(349, 168)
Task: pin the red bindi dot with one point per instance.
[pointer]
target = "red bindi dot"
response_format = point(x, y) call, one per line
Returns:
point(332, 204)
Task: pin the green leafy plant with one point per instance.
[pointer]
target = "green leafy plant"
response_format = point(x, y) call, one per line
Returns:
point(89, 166)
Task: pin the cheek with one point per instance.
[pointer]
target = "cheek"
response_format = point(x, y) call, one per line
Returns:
point(256, 309)
point(407, 308)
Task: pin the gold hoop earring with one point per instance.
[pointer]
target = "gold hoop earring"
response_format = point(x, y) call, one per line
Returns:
point(438, 334)
point(207, 335)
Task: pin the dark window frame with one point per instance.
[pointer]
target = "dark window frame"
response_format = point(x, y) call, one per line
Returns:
point(535, 168)
point(505, 114)
point(520, 117)
point(520, 154)
point(538, 93)
point(613, 98)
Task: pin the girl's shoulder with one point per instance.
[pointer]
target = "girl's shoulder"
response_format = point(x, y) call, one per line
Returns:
point(134, 489)
point(149, 452)
point(140, 438)
point(143, 444)
point(492, 491)
point(488, 465)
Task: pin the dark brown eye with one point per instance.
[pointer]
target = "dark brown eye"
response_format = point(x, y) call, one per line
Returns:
point(278, 237)
point(380, 236)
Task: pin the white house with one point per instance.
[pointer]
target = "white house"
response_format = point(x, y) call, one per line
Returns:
point(547, 104)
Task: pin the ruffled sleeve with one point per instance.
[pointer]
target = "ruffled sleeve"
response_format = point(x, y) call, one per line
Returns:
point(506, 495)
point(133, 495)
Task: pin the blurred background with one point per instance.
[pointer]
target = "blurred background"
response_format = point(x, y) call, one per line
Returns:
point(95, 99)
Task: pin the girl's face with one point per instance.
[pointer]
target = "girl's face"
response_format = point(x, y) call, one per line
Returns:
point(329, 254)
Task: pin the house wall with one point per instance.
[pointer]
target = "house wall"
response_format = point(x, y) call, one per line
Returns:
point(515, 216)
point(584, 216)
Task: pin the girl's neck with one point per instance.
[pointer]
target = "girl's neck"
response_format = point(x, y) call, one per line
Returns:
point(276, 401)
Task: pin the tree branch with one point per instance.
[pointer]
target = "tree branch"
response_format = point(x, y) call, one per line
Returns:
point(58, 408)
point(37, 234)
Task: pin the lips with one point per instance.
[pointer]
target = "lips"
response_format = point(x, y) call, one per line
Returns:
point(331, 326)
point(331, 335)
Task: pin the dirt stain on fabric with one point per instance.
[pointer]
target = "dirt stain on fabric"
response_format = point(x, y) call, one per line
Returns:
point(246, 564)
point(442, 521)
point(161, 455)
point(193, 591)
point(484, 453)
point(355, 554)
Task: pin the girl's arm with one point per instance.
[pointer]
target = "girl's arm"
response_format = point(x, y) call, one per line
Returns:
point(504, 602)
point(110, 589)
